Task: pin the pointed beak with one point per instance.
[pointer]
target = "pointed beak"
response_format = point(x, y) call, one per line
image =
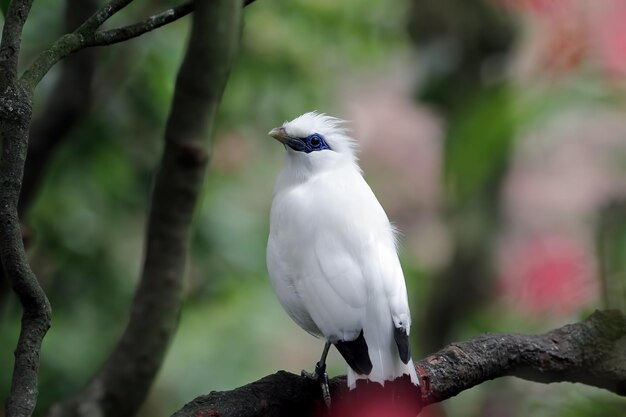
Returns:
point(279, 134)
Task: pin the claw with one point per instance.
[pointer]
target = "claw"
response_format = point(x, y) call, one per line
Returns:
point(325, 389)
point(320, 375)
point(308, 375)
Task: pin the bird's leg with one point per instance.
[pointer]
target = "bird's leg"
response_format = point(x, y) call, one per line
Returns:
point(320, 374)
point(320, 371)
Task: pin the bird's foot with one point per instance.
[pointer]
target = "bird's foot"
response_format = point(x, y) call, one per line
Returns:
point(320, 376)
point(308, 375)
point(325, 389)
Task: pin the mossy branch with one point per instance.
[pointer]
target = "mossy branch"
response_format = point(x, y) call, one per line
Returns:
point(87, 36)
point(15, 115)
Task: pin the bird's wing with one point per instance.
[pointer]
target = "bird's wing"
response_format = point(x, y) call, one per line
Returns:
point(283, 277)
point(378, 258)
point(333, 288)
point(384, 265)
point(337, 297)
point(354, 258)
point(389, 302)
point(388, 308)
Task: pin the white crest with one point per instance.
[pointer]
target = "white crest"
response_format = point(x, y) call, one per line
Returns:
point(331, 128)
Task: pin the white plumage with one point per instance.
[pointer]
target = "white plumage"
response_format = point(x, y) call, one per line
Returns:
point(331, 253)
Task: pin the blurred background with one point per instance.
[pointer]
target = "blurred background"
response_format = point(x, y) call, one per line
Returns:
point(492, 131)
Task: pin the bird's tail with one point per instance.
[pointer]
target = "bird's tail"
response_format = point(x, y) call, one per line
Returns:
point(400, 369)
point(383, 352)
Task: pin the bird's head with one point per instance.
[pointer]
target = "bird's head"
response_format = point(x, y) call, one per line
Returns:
point(315, 141)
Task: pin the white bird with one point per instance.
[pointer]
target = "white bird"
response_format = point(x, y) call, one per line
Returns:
point(331, 253)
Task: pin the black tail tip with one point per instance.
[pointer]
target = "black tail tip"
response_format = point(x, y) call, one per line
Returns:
point(356, 354)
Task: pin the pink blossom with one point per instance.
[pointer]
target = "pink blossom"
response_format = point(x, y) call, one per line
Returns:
point(548, 274)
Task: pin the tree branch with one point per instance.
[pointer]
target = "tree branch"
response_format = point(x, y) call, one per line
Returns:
point(15, 111)
point(111, 36)
point(121, 385)
point(590, 352)
point(102, 15)
point(17, 13)
point(87, 36)
point(15, 114)
point(69, 101)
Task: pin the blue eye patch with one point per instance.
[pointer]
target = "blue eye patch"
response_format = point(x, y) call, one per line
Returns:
point(311, 143)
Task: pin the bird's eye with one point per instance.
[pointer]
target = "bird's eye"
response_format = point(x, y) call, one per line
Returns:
point(315, 141)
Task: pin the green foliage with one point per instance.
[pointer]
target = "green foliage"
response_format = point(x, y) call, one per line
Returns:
point(611, 242)
point(598, 405)
point(4, 4)
point(478, 142)
point(295, 54)
point(571, 402)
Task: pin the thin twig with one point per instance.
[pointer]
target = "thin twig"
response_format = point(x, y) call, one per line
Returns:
point(125, 33)
point(84, 38)
point(102, 15)
point(59, 49)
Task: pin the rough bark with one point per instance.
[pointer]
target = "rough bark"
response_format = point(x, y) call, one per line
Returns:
point(591, 352)
point(15, 110)
point(15, 114)
point(121, 385)
point(15, 18)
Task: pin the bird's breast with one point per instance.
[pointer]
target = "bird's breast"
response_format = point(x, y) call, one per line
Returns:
point(339, 207)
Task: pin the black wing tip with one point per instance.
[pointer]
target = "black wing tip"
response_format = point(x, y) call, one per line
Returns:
point(356, 354)
point(402, 341)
